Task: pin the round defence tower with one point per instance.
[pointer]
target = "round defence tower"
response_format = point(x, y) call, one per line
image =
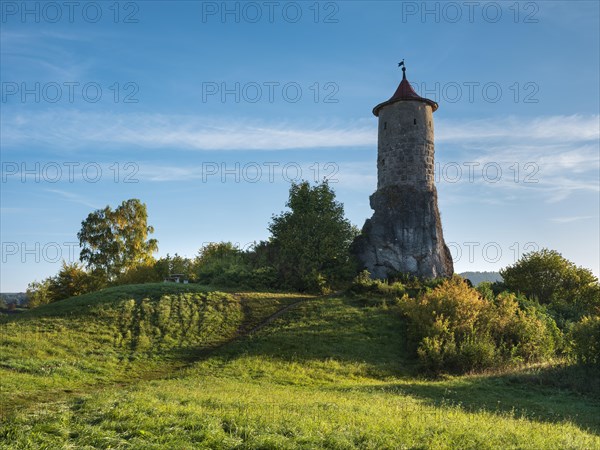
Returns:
point(405, 148)
point(405, 233)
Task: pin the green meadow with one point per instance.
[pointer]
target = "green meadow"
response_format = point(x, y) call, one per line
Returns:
point(186, 367)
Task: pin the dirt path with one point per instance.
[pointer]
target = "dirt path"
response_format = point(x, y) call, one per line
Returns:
point(274, 316)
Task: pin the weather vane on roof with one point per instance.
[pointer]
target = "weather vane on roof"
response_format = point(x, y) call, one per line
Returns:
point(401, 64)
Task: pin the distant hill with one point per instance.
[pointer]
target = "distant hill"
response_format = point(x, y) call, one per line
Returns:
point(19, 298)
point(478, 277)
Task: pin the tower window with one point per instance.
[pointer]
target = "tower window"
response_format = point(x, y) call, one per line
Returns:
point(385, 125)
point(414, 121)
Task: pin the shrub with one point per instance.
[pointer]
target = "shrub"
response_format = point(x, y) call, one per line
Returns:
point(546, 276)
point(454, 300)
point(39, 293)
point(527, 338)
point(452, 327)
point(485, 290)
point(364, 284)
point(222, 264)
point(215, 259)
point(438, 348)
point(316, 282)
point(585, 340)
point(476, 352)
point(262, 277)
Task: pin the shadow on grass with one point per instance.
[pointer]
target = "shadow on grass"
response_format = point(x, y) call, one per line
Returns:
point(551, 394)
point(256, 311)
point(349, 332)
point(344, 331)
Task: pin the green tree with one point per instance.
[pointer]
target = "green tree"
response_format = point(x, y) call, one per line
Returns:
point(216, 262)
point(71, 280)
point(39, 293)
point(169, 265)
point(116, 241)
point(551, 279)
point(312, 240)
point(140, 273)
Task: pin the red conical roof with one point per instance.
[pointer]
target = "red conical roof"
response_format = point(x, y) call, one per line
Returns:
point(405, 92)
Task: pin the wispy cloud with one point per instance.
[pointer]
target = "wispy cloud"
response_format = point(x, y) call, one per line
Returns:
point(505, 138)
point(550, 129)
point(571, 219)
point(71, 129)
point(27, 53)
point(73, 197)
point(555, 155)
point(351, 175)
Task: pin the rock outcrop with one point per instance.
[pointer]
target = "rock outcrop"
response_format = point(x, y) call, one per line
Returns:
point(404, 235)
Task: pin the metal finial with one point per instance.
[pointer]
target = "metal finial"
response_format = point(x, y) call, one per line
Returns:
point(401, 64)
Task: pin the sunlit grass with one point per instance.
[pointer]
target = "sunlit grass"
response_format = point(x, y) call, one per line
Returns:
point(330, 373)
point(117, 335)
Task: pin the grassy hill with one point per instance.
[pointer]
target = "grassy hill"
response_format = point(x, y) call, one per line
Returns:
point(328, 372)
point(119, 334)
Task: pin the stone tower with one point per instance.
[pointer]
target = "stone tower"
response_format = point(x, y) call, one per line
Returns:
point(405, 233)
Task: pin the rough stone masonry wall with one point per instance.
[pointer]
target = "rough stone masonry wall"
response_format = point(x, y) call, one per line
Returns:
point(405, 149)
point(405, 233)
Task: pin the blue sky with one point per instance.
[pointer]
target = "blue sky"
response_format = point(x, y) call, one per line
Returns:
point(206, 111)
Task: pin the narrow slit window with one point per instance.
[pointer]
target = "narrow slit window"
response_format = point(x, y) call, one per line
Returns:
point(414, 121)
point(385, 125)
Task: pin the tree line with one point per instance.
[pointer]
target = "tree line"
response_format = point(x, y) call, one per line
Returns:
point(308, 250)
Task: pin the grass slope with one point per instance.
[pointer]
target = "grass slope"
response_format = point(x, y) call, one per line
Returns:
point(118, 334)
point(330, 373)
